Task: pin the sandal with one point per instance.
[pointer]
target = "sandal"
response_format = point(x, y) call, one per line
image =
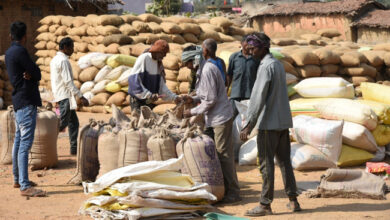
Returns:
point(32, 192)
point(32, 184)
point(260, 210)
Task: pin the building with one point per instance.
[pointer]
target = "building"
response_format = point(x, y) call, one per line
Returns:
point(295, 19)
point(373, 27)
point(32, 11)
point(130, 6)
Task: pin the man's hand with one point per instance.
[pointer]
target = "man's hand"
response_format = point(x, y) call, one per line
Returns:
point(178, 99)
point(26, 76)
point(84, 101)
point(154, 97)
point(188, 99)
point(187, 113)
point(244, 134)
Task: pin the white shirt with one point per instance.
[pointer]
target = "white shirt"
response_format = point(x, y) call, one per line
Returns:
point(61, 76)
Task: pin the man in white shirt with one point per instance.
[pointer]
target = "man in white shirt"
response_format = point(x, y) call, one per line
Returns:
point(64, 91)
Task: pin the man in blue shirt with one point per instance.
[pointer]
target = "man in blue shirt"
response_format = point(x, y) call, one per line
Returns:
point(24, 75)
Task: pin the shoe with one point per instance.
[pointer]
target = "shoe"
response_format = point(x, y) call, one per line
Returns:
point(294, 206)
point(260, 210)
point(73, 151)
point(32, 192)
point(230, 199)
point(32, 184)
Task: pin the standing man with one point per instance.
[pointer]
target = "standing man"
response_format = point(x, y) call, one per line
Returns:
point(214, 104)
point(269, 106)
point(146, 82)
point(192, 57)
point(242, 72)
point(24, 75)
point(64, 91)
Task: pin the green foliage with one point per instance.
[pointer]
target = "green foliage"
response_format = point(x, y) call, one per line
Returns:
point(386, 3)
point(164, 7)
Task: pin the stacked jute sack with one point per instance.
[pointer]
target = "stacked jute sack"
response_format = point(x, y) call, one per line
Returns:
point(5, 86)
point(43, 153)
point(115, 34)
point(148, 136)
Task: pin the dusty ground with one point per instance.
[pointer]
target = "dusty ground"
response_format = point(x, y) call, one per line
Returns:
point(64, 201)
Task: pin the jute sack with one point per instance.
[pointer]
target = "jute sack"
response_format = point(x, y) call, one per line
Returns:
point(311, 37)
point(117, 99)
point(108, 150)
point(41, 45)
point(91, 31)
point(358, 136)
point(284, 41)
point(161, 146)
point(150, 38)
point(357, 80)
point(98, 109)
point(40, 61)
point(226, 38)
point(184, 75)
point(309, 71)
point(46, 37)
point(44, 28)
point(155, 28)
point(171, 74)
point(179, 19)
point(125, 50)
point(150, 18)
point(107, 30)
point(177, 38)
point(53, 28)
point(221, 22)
point(162, 108)
point(138, 39)
point(43, 153)
point(172, 85)
point(171, 62)
point(128, 18)
point(120, 39)
point(80, 47)
point(288, 68)
point(190, 28)
point(79, 31)
point(329, 32)
point(375, 58)
point(88, 74)
point(171, 28)
point(362, 70)
point(127, 30)
point(132, 146)
point(141, 27)
point(234, 30)
point(201, 161)
point(206, 27)
point(184, 87)
point(302, 58)
point(112, 49)
point(329, 69)
point(7, 135)
point(87, 156)
point(78, 21)
point(209, 34)
point(384, 46)
point(327, 56)
point(67, 21)
point(114, 20)
point(100, 98)
point(351, 59)
point(189, 37)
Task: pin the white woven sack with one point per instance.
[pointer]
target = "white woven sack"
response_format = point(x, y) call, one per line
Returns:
point(85, 61)
point(88, 96)
point(116, 73)
point(325, 135)
point(248, 152)
point(306, 157)
point(325, 87)
point(99, 61)
point(124, 78)
point(100, 86)
point(356, 135)
point(102, 73)
point(86, 87)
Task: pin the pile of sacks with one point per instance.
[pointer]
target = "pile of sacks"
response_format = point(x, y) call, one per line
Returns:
point(126, 34)
point(5, 86)
point(148, 137)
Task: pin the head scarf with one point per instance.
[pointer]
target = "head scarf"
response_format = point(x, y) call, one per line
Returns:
point(195, 55)
point(257, 42)
point(160, 46)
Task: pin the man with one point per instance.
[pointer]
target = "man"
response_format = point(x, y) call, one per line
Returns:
point(24, 76)
point(214, 104)
point(241, 74)
point(146, 82)
point(192, 57)
point(64, 91)
point(269, 107)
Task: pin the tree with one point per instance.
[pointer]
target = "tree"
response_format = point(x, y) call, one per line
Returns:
point(165, 7)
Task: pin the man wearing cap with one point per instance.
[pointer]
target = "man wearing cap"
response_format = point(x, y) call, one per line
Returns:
point(269, 108)
point(146, 82)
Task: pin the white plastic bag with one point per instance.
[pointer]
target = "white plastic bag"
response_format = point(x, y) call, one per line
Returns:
point(358, 136)
point(306, 157)
point(248, 152)
point(99, 61)
point(100, 86)
point(85, 61)
point(116, 73)
point(102, 73)
point(325, 87)
point(124, 78)
point(86, 87)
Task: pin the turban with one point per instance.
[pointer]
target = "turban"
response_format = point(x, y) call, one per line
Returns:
point(195, 55)
point(257, 42)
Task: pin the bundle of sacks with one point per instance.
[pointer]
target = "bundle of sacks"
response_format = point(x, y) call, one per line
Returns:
point(5, 86)
point(113, 34)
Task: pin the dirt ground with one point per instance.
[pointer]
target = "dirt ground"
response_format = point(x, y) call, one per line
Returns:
point(64, 201)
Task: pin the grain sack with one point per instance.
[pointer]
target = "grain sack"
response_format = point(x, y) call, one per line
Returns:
point(154, 27)
point(87, 156)
point(123, 80)
point(113, 87)
point(102, 73)
point(177, 38)
point(375, 58)
point(184, 75)
point(108, 150)
point(171, 28)
point(376, 92)
point(53, 28)
point(128, 18)
point(351, 59)
point(112, 48)
point(190, 28)
point(43, 153)
point(171, 74)
point(302, 58)
point(348, 110)
point(100, 98)
point(362, 70)
point(171, 62)
point(47, 61)
point(311, 37)
point(120, 59)
point(325, 87)
point(44, 28)
point(351, 156)
point(100, 86)
point(88, 74)
point(288, 68)
point(325, 135)
point(7, 135)
point(327, 56)
point(382, 110)
point(98, 109)
point(201, 161)
point(306, 157)
point(125, 50)
point(91, 31)
point(78, 21)
point(309, 71)
point(150, 38)
point(87, 86)
point(234, 30)
point(161, 109)
point(85, 61)
point(114, 20)
point(358, 136)
point(206, 27)
point(382, 135)
point(329, 69)
point(116, 73)
point(284, 41)
point(99, 60)
point(120, 39)
point(79, 31)
point(357, 80)
point(226, 38)
point(248, 152)
point(290, 79)
point(210, 34)
point(40, 45)
point(329, 32)
point(150, 18)
point(139, 39)
point(172, 85)
point(141, 27)
point(221, 22)
point(132, 146)
point(184, 88)
point(161, 146)
point(179, 19)
point(107, 30)
point(77, 84)
point(127, 30)
point(117, 99)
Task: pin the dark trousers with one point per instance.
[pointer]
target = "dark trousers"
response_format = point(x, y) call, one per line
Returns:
point(68, 118)
point(136, 104)
point(272, 143)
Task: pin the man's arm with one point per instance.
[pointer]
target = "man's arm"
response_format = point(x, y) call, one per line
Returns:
point(229, 75)
point(31, 68)
point(165, 92)
point(209, 98)
point(66, 74)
